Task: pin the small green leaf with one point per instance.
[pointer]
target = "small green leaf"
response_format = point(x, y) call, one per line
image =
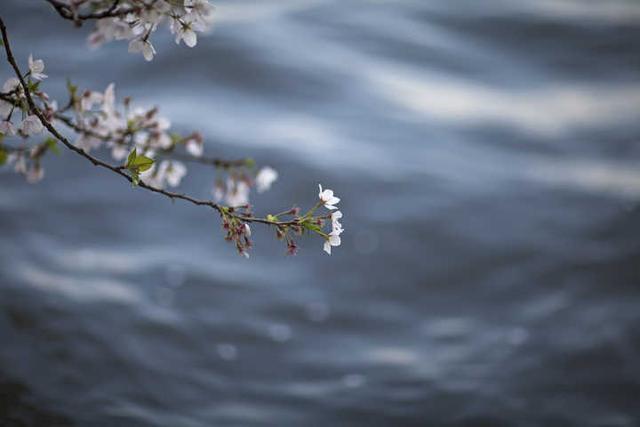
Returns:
point(72, 88)
point(135, 178)
point(33, 86)
point(52, 145)
point(130, 158)
point(3, 156)
point(272, 218)
point(137, 164)
point(250, 163)
point(176, 138)
point(141, 163)
point(312, 227)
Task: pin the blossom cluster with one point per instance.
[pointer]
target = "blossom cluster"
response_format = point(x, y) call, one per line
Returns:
point(235, 222)
point(137, 20)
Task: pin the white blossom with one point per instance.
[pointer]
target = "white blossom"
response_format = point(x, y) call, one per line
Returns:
point(10, 84)
point(247, 230)
point(327, 198)
point(184, 31)
point(265, 177)
point(237, 193)
point(202, 10)
point(195, 147)
point(34, 174)
point(31, 125)
point(36, 68)
point(332, 240)
point(336, 227)
point(5, 109)
point(218, 191)
point(174, 172)
point(89, 99)
point(6, 128)
point(144, 46)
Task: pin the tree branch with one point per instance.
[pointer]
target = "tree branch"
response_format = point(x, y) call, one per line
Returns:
point(223, 210)
point(113, 11)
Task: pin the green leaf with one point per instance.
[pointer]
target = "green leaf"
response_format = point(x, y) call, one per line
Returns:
point(137, 164)
point(312, 227)
point(130, 158)
point(141, 163)
point(250, 163)
point(52, 145)
point(72, 88)
point(135, 178)
point(3, 156)
point(272, 218)
point(33, 86)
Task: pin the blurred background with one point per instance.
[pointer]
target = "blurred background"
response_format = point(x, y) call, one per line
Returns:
point(487, 156)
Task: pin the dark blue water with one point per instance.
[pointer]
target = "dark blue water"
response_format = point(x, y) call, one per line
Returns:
point(488, 158)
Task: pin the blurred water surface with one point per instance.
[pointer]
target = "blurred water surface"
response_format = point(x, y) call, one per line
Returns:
point(487, 156)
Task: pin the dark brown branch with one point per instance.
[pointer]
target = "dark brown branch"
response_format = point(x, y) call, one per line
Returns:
point(113, 11)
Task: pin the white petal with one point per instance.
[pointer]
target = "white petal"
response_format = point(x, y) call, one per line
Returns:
point(190, 38)
point(327, 247)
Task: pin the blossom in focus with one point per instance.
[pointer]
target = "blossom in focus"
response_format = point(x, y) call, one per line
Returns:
point(31, 125)
point(332, 240)
point(144, 46)
point(327, 198)
point(336, 227)
point(36, 68)
point(336, 230)
point(265, 177)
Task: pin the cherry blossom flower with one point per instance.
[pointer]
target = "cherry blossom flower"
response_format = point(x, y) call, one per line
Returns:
point(195, 145)
point(36, 68)
point(144, 46)
point(10, 84)
point(6, 128)
point(173, 172)
point(237, 193)
point(327, 198)
point(89, 99)
point(265, 177)
point(336, 227)
point(332, 240)
point(218, 191)
point(200, 8)
point(5, 109)
point(184, 31)
point(34, 173)
point(31, 125)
